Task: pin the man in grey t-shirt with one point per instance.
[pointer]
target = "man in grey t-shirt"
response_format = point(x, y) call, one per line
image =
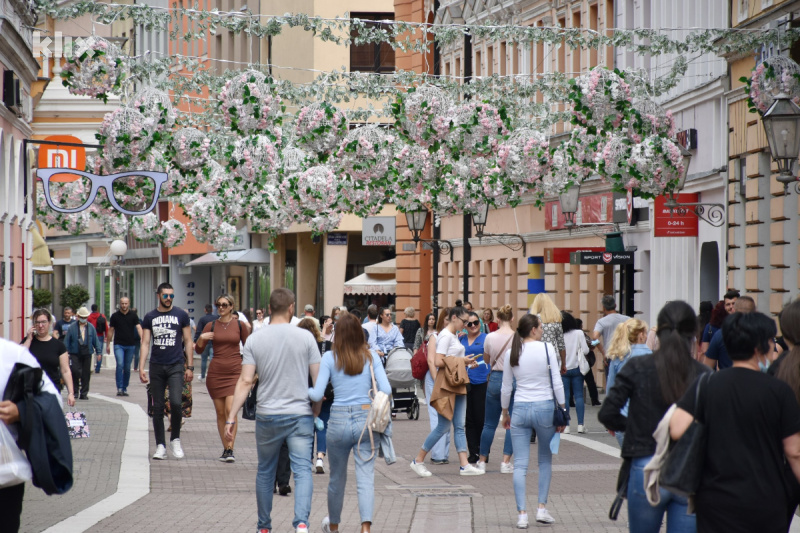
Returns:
point(283, 356)
point(605, 326)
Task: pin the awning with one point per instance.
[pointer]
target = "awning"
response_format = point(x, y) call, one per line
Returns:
point(388, 267)
point(251, 256)
point(366, 284)
point(40, 259)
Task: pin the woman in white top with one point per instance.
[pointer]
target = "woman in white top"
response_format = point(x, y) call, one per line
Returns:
point(575, 343)
point(534, 366)
point(448, 345)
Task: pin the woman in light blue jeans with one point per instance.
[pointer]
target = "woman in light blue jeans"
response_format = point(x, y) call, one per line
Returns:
point(534, 365)
point(349, 366)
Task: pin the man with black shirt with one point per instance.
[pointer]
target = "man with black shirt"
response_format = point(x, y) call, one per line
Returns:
point(123, 329)
point(170, 364)
point(208, 352)
point(61, 327)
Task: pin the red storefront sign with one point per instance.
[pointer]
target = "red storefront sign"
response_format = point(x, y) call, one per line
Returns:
point(594, 209)
point(561, 255)
point(677, 224)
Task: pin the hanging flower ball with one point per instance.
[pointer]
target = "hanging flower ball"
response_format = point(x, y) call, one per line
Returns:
point(424, 115)
point(366, 153)
point(465, 186)
point(293, 160)
point(316, 193)
point(146, 227)
point(115, 225)
point(649, 118)
point(612, 158)
point(778, 74)
point(478, 128)
point(157, 108)
point(95, 68)
point(210, 178)
point(414, 177)
point(172, 233)
point(124, 137)
point(268, 211)
point(254, 158)
point(562, 173)
point(76, 223)
point(601, 100)
point(320, 128)
point(655, 165)
point(223, 237)
point(525, 156)
point(203, 217)
point(250, 104)
point(191, 148)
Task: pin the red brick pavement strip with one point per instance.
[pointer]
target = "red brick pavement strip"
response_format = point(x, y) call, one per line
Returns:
point(199, 493)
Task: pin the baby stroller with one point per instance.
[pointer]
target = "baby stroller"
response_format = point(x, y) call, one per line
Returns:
point(398, 371)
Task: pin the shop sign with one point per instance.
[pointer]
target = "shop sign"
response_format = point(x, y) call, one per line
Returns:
point(77, 254)
point(378, 231)
point(601, 258)
point(676, 224)
point(337, 239)
point(630, 209)
point(54, 156)
point(562, 255)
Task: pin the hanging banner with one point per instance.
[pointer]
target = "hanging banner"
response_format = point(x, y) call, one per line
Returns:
point(680, 223)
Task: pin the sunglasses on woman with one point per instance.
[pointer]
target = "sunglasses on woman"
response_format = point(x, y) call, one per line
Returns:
point(474, 323)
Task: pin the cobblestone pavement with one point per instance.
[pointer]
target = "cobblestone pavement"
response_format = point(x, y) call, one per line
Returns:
point(199, 493)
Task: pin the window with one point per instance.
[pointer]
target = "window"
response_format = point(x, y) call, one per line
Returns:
point(371, 57)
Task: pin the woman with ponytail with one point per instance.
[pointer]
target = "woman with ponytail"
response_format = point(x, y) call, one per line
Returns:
point(651, 383)
point(627, 341)
point(534, 366)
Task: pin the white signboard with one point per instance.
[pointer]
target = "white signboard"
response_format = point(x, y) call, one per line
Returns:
point(378, 231)
point(77, 254)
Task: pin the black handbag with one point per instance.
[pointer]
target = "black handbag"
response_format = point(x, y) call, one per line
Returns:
point(249, 407)
point(683, 466)
point(622, 488)
point(560, 414)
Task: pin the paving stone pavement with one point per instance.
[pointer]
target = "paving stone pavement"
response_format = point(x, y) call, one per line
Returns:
point(200, 494)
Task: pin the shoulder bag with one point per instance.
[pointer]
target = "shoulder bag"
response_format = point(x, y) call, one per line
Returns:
point(249, 407)
point(380, 413)
point(560, 414)
point(583, 364)
point(683, 466)
point(502, 351)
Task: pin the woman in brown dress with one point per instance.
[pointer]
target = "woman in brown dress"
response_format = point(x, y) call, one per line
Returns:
point(226, 333)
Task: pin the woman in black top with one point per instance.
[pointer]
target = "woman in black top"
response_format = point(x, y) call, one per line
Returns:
point(50, 352)
point(409, 327)
point(652, 383)
point(752, 421)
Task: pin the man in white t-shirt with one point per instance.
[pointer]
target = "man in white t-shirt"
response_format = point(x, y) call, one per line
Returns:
point(283, 356)
point(605, 326)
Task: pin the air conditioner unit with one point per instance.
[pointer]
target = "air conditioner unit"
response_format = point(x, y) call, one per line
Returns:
point(11, 92)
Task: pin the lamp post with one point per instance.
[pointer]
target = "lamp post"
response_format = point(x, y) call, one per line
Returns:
point(782, 127)
point(479, 218)
point(713, 214)
point(118, 248)
point(569, 204)
point(416, 220)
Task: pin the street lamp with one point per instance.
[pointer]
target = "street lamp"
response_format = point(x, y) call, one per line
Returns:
point(416, 224)
point(716, 212)
point(479, 218)
point(782, 126)
point(569, 204)
point(118, 248)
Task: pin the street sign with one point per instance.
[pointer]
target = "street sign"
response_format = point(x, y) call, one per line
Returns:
point(677, 223)
point(378, 231)
point(562, 255)
point(337, 239)
point(601, 258)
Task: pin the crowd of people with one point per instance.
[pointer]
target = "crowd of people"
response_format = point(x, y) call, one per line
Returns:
point(317, 380)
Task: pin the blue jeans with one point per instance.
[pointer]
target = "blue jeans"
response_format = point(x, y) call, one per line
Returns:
point(643, 518)
point(344, 429)
point(99, 355)
point(573, 379)
point(620, 436)
point(324, 415)
point(124, 357)
point(205, 358)
point(493, 412)
point(443, 427)
point(298, 432)
point(528, 416)
point(440, 450)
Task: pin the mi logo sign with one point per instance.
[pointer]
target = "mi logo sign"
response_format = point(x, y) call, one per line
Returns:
point(54, 156)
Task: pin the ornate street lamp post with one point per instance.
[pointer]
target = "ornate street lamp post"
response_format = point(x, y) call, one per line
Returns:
point(782, 126)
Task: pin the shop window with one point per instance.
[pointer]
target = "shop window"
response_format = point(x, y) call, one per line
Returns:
point(371, 57)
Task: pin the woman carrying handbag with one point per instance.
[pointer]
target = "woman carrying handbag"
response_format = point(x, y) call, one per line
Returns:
point(349, 367)
point(537, 403)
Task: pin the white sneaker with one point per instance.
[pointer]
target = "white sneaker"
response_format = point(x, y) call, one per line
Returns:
point(480, 465)
point(420, 469)
point(581, 428)
point(544, 517)
point(302, 528)
point(320, 466)
point(161, 452)
point(506, 468)
point(566, 430)
point(522, 521)
point(175, 447)
point(470, 470)
point(326, 525)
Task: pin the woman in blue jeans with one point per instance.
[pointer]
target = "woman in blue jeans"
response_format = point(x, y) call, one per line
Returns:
point(349, 366)
point(534, 366)
point(575, 345)
point(494, 347)
point(652, 383)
